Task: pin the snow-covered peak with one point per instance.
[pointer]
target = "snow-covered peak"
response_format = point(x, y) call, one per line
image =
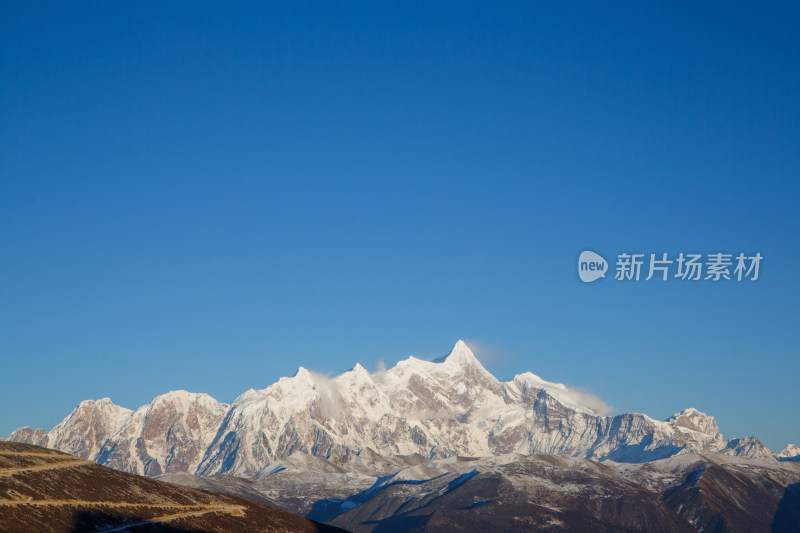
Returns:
point(461, 354)
point(288, 394)
point(790, 452)
point(181, 399)
point(102, 405)
point(695, 420)
point(747, 447)
point(103, 408)
point(532, 380)
point(101, 401)
point(357, 375)
point(88, 426)
point(249, 396)
point(301, 382)
point(459, 365)
point(573, 399)
point(461, 357)
point(302, 373)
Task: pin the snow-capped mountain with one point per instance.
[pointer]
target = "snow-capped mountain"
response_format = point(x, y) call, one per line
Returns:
point(790, 453)
point(170, 434)
point(445, 408)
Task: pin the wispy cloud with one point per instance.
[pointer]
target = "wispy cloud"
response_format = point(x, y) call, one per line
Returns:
point(330, 399)
point(592, 401)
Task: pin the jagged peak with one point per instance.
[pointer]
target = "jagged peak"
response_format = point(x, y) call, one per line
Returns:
point(357, 374)
point(101, 401)
point(571, 398)
point(303, 379)
point(747, 447)
point(692, 414)
point(691, 411)
point(302, 372)
point(29, 435)
point(359, 369)
point(696, 420)
point(791, 450)
point(104, 404)
point(301, 375)
point(459, 358)
point(461, 354)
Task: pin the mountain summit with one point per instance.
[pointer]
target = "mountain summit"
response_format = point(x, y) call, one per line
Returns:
point(461, 356)
point(444, 408)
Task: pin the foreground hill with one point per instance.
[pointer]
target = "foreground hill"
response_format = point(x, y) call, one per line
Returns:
point(43, 490)
point(437, 409)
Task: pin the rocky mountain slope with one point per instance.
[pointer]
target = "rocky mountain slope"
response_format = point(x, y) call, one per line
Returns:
point(438, 409)
point(43, 490)
point(684, 493)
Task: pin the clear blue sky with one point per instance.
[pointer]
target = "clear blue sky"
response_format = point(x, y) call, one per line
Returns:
point(208, 196)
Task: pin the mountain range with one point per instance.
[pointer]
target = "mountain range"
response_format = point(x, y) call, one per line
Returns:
point(437, 409)
point(442, 445)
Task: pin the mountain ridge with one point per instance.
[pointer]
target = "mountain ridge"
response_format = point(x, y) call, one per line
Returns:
point(435, 409)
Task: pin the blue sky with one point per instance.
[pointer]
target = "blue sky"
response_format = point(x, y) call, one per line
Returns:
point(206, 197)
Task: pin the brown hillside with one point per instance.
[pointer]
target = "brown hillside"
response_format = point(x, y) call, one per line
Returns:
point(44, 490)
